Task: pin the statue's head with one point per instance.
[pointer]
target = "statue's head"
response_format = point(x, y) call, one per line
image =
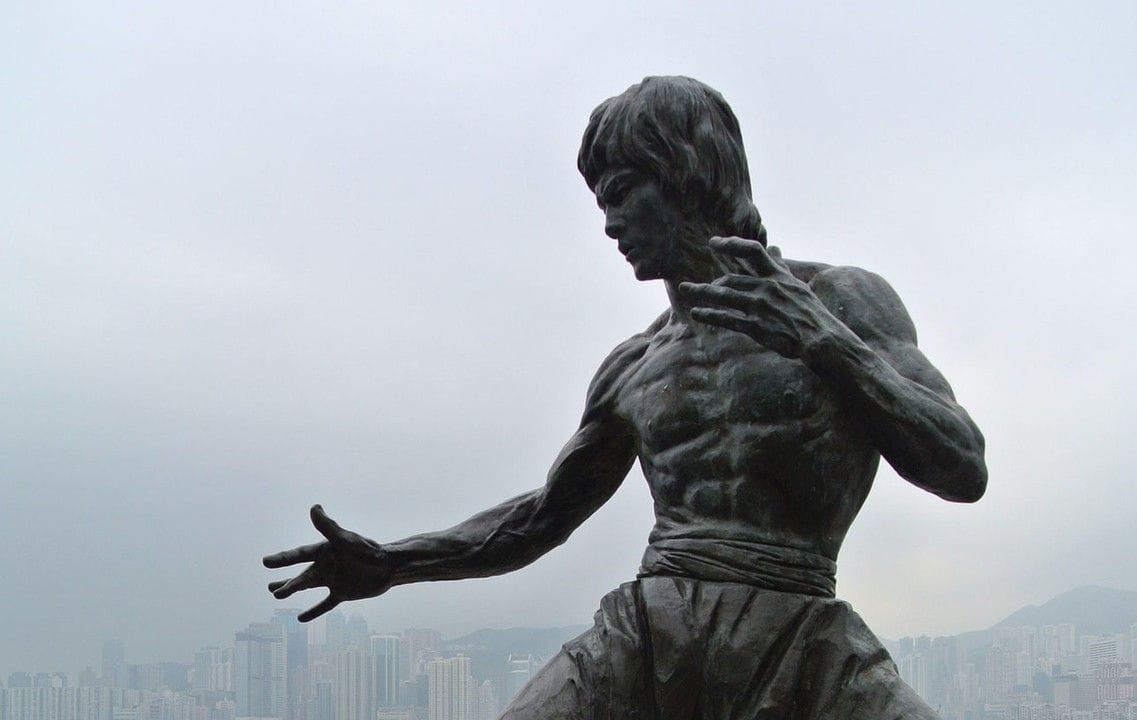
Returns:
point(683, 136)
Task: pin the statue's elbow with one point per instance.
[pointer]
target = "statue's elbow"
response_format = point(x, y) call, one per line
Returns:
point(970, 483)
point(974, 490)
point(971, 471)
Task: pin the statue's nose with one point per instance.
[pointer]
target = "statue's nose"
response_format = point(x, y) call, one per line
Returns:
point(613, 227)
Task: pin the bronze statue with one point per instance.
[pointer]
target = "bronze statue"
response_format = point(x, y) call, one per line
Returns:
point(759, 405)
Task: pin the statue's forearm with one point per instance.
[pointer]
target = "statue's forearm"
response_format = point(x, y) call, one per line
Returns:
point(499, 540)
point(518, 531)
point(928, 438)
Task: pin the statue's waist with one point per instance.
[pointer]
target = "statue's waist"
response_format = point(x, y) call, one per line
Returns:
point(771, 567)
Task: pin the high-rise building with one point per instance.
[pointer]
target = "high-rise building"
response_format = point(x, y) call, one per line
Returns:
point(260, 666)
point(485, 706)
point(519, 669)
point(1102, 651)
point(450, 689)
point(213, 670)
point(114, 659)
point(335, 630)
point(323, 700)
point(914, 671)
point(354, 685)
point(358, 635)
point(388, 672)
point(295, 637)
point(999, 674)
point(420, 645)
point(296, 645)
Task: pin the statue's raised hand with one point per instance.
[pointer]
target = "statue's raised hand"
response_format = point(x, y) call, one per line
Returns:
point(351, 566)
point(773, 307)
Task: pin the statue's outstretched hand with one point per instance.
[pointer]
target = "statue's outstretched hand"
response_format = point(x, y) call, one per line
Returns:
point(351, 566)
point(773, 307)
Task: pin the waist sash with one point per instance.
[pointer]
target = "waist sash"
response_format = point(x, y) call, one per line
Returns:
point(770, 567)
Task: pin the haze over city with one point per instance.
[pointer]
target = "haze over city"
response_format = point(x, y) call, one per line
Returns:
point(256, 257)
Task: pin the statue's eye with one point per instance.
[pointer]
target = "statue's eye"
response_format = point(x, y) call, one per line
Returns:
point(612, 194)
point(613, 190)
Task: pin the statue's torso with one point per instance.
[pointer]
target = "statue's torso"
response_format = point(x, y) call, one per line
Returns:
point(738, 442)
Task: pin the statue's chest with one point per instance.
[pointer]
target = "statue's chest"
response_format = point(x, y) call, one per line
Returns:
point(687, 386)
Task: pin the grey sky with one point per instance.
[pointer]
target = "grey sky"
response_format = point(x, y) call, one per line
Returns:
point(254, 257)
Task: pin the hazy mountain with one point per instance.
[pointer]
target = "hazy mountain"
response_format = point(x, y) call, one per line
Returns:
point(1092, 609)
point(490, 649)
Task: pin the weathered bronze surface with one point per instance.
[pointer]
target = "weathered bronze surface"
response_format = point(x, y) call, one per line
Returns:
point(759, 405)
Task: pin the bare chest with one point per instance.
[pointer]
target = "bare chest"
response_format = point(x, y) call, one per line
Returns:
point(689, 387)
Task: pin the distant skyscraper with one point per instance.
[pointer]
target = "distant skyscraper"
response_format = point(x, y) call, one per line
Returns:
point(1102, 651)
point(323, 705)
point(486, 706)
point(999, 673)
point(335, 630)
point(450, 689)
point(520, 669)
point(296, 642)
point(354, 685)
point(114, 658)
point(260, 668)
point(295, 635)
point(213, 669)
point(419, 644)
point(358, 635)
point(388, 673)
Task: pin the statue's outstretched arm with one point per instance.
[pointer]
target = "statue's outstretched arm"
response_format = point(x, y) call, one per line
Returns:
point(504, 538)
point(849, 326)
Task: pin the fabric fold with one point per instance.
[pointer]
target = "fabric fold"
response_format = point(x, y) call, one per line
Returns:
point(769, 567)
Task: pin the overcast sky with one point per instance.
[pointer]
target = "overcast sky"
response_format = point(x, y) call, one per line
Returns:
point(259, 255)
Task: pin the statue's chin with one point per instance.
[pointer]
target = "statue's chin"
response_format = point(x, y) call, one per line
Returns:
point(645, 273)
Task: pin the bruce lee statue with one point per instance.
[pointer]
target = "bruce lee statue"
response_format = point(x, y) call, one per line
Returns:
point(758, 404)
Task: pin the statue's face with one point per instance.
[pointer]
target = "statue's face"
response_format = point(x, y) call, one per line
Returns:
point(645, 222)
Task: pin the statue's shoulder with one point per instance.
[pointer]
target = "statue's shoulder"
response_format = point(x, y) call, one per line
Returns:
point(804, 270)
point(615, 368)
point(864, 301)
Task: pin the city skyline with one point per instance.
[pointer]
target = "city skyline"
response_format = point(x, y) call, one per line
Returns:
point(353, 627)
point(343, 669)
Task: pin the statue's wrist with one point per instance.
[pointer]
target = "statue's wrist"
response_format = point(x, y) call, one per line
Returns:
point(818, 349)
point(824, 349)
point(385, 560)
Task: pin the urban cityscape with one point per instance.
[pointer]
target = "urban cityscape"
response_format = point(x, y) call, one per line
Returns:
point(342, 669)
point(339, 669)
point(1026, 672)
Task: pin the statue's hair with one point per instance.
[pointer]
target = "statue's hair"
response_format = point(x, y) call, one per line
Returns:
point(682, 134)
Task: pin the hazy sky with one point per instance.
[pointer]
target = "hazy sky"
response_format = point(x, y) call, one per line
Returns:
point(259, 255)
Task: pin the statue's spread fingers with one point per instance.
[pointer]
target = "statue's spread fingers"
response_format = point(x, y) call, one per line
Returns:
point(751, 250)
point(302, 554)
point(716, 295)
point(304, 581)
point(328, 528)
point(319, 609)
